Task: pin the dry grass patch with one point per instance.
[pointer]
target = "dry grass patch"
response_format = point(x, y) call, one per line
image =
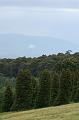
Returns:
point(65, 112)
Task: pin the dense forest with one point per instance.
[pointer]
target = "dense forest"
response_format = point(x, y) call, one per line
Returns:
point(30, 83)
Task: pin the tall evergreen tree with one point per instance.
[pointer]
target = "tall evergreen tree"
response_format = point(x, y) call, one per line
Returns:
point(64, 88)
point(44, 93)
point(76, 98)
point(8, 100)
point(76, 88)
point(23, 99)
point(34, 92)
point(54, 87)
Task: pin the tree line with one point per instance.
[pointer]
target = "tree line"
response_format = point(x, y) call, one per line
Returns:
point(30, 93)
point(42, 82)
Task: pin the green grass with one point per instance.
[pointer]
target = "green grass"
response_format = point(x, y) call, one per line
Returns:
point(65, 112)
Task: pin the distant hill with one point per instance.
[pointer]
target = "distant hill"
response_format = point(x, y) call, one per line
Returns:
point(13, 45)
point(66, 112)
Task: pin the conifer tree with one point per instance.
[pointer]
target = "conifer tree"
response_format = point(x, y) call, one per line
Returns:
point(76, 98)
point(34, 92)
point(44, 92)
point(76, 88)
point(64, 88)
point(54, 87)
point(8, 99)
point(23, 99)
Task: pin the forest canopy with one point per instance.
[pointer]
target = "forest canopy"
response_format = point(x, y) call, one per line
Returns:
point(28, 83)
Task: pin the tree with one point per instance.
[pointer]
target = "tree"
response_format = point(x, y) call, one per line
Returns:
point(23, 99)
point(76, 88)
point(68, 52)
point(64, 88)
point(44, 93)
point(34, 92)
point(54, 87)
point(8, 100)
point(76, 98)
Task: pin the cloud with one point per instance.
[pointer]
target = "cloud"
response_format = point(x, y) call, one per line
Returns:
point(32, 46)
point(42, 3)
point(61, 23)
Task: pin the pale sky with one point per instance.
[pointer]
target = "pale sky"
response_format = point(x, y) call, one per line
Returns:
point(57, 19)
point(43, 3)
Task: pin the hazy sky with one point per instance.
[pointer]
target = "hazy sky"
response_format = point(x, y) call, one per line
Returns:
point(52, 18)
point(47, 3)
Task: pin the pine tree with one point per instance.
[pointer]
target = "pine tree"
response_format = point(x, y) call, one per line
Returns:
point(23, 99)
point(8, 100)
point(64, 88)
point(54, 87)
point(76, 88)
point(44, 92)
point(76, 99)
point(34, 92)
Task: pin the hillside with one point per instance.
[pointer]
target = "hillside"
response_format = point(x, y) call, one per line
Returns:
point(66, 112)
point(60, 67)
point(15, 45)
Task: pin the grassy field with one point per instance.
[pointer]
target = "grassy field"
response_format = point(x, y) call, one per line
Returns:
point(66, 112)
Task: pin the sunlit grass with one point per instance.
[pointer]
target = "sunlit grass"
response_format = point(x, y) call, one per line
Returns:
point(66, 112)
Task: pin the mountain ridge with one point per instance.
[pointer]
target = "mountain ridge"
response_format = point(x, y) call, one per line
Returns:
point(15, 45)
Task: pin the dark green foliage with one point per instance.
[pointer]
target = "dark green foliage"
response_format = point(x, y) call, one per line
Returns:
point(76, 98)
point(23, 98)
point(64, 88)
point(76, 88)
point(61, 99)
point(8, 99)
point(5, 81)
point(57, 85)
point(44, 93)
point(34, 92)
point(54, 87)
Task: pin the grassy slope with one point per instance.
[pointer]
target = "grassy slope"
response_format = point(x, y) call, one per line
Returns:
point(66, 112)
